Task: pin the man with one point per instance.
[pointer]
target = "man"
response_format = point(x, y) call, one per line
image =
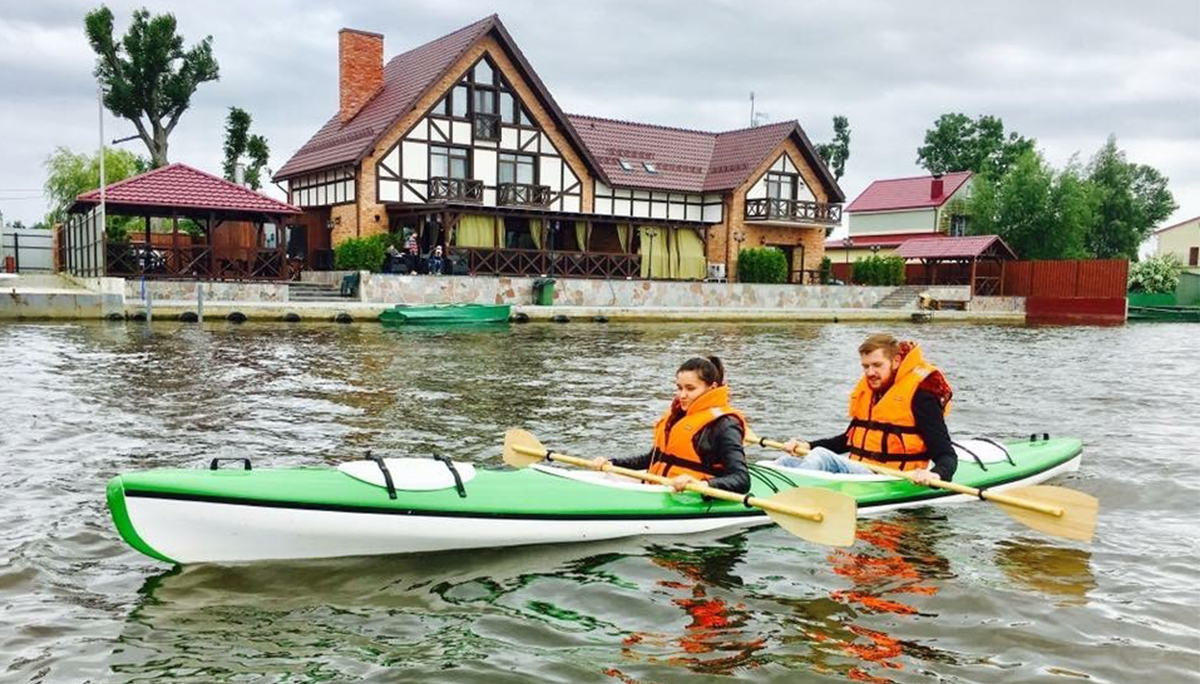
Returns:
point(897, 418)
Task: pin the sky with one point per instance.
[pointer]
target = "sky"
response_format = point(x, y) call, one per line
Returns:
point(1068, 74)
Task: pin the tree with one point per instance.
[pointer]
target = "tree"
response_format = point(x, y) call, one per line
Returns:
point(148, 78)
point(1040, 214)
point(239, 142)
point(836, 152)
point(70, 174)
point(1129, 200)
point(956, 143)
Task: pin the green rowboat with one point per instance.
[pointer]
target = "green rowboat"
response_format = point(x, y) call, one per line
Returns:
point(446, 314)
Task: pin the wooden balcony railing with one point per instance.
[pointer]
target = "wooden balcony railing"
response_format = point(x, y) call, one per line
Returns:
point(522, 195)
point(534, 262)
point(799, 211)
point(138, 260)
point(455, 189)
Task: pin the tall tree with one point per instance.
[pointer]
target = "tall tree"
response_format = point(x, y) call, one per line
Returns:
point(70, 174)
point(148, 77)
point(1129, 200)
point(958, 143)
point(836, 152)
point(239, 143)
point(1040, 214)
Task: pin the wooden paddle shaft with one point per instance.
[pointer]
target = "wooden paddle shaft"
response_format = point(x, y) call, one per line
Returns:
point(998, 497)
point(712, 492)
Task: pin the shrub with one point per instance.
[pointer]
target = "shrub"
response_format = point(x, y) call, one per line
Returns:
point(362, 254)
point(826, 272)
point(1155, 275)
point(878, 270)
point(762, 265)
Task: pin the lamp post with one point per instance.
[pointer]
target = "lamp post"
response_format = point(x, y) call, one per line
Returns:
point(847, 243)
point(650, 233)
point(739, 237)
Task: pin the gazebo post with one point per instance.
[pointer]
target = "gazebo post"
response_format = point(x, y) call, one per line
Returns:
point(1003, 267)
point(174, 243)
point(280, 248)
point(212, 247)
point(974, 263)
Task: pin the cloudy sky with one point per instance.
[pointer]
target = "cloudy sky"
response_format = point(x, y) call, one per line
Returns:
point(1067, 74)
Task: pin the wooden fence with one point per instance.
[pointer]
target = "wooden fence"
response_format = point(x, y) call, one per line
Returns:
point(1099, 278)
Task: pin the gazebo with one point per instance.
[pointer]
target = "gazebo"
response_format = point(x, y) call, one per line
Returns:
point(234, 244)
point(976, 260)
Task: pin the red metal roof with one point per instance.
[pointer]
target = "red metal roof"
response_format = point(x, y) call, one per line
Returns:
point(954, 247)
point(895, 240)
point(181, 186)
point(907, 193)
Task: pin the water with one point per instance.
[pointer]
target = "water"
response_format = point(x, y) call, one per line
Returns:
point(960, 594)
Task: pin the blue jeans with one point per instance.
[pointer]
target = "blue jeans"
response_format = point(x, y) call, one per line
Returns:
point(821, 458)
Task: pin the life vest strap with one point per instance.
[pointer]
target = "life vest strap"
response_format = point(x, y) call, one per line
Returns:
point(675, 461)
point(885, 427)
point(882, 457)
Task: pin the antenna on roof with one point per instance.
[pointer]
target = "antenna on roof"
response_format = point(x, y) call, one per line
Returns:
point(755, 116)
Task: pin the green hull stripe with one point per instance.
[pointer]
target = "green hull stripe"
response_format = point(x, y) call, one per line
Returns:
point(120, 515)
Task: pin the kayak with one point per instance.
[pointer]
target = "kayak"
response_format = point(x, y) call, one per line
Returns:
point(443, 314)
point(411, 505)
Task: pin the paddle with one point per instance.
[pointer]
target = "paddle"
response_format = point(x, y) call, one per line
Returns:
point(1046, 508)
point(818, 515)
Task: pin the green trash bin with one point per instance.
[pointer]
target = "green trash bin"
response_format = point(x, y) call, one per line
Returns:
point(543, 291)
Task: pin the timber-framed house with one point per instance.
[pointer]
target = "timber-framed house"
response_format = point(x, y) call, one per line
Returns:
point(459, 142)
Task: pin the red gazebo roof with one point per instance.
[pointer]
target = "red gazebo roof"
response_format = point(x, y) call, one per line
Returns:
point(970, 247)
point(179, 186)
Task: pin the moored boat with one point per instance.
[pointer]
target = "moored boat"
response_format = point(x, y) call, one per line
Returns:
point(445, 314)
point(409, 505)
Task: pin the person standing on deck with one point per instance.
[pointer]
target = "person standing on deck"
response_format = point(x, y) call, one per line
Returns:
point(897, 418)
point(699, 438)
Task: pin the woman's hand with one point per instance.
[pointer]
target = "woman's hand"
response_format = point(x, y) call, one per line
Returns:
point(599, 462)
point(680, 482)
point(796, 447)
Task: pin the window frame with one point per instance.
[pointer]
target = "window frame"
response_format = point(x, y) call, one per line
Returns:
point(450, 156)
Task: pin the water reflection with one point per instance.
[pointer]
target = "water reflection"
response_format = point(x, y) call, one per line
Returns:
point(1064, 573)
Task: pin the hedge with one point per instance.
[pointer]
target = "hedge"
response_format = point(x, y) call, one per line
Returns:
point(878, 270)
point(762, 265)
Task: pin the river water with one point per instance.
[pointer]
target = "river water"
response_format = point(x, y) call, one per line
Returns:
point(957, 594)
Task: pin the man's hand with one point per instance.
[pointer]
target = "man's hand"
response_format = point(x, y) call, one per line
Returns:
point(680, 482)
point(599, 462)
point(924, 476)
point(796, 447)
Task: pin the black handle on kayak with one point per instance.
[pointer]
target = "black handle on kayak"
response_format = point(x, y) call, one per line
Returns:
point(387, 474)
point(215, 464)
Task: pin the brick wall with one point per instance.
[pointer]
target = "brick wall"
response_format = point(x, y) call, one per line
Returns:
point(360, 70)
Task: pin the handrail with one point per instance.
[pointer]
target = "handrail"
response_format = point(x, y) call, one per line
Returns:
point(802, 211)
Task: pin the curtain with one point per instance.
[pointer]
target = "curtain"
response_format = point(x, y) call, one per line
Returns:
point(690, 262)
point(655, 251)
point(535, 232)
point(623, 236)
point(475, 230)
point(582, 235)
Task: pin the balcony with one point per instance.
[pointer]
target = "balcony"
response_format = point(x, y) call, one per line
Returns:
point(797, 211)
point(522, 195)
point(443, 189)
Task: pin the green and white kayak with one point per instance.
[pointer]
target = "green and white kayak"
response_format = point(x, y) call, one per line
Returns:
point(446, 314)
point(240, 515)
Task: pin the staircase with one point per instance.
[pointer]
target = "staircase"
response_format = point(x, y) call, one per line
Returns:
point(903, 297)
point(315, 292)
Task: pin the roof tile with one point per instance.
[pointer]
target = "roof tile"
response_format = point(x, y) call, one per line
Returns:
point(179, 185)
point(907, 193)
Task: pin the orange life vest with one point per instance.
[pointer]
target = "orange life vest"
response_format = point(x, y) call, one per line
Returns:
point(675, 442)
point(885, 430)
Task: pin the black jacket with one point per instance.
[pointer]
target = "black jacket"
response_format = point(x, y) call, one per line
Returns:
point(927, 410)
point(720, 447)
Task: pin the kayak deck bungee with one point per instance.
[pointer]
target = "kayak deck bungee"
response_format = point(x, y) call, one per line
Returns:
point(229, 515)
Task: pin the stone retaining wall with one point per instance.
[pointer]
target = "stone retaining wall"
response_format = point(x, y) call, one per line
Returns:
point(179, 290)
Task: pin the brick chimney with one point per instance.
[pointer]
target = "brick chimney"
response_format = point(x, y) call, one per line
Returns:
point(935, 188)
point(360, 70)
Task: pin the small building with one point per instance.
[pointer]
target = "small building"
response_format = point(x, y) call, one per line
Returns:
point(459, 143)
point(1181, 239)
point(894, 210)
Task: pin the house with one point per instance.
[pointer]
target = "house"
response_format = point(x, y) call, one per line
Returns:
point(894, 210)
point(460, 143)
point(1181, 239)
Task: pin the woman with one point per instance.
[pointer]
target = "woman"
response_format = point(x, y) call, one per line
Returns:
point(699, 438)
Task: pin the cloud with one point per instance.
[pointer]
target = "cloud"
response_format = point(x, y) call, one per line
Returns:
point(1065, 74)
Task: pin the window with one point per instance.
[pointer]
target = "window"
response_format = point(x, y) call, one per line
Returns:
point(516, 168)
point(483, 73)
point(625, 165)
point(508, 114)
point(459, 101)
point(524, 120)
point(443, 107)
point(781, 186)
point(1194, 256)
point(958, 225)
point(650, 167)
point(447, 162)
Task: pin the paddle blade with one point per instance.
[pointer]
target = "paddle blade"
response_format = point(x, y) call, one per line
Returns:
point(839, 515)
point(517, 445)
point(1078, 520)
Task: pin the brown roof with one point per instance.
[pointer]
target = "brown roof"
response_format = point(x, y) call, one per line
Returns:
point(179, 186)
point(955, 248)
point(686, 160)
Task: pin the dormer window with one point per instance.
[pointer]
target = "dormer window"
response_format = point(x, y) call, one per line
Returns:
point(625, 165)
point(650, 167)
